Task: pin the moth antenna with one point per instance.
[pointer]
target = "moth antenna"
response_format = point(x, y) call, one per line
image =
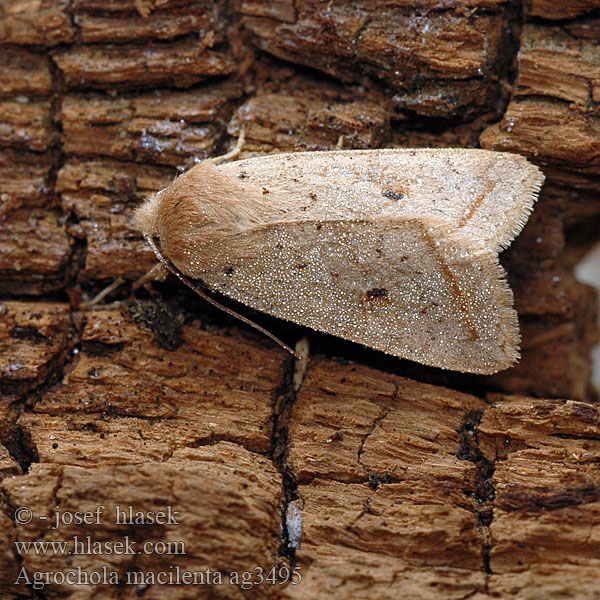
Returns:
point(172, 269)
point(217, 160)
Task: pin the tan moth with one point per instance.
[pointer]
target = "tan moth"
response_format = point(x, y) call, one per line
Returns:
point(395, 249)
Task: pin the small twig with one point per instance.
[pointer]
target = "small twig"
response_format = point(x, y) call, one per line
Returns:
point(101, 295)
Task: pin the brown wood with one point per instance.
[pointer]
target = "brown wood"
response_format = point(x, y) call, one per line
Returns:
point(444, 68)
point(547, 9)
point(372, 477)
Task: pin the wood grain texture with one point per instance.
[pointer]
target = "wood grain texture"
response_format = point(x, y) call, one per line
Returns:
point(442, 69)
point(36, 22)
point(406, 487)
point(546, 9)
point(553, 115)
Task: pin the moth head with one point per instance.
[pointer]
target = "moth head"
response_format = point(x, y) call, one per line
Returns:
point(198, 208)
point(146, 216)
point(202, 203)
point(173, 210)
point(176, 221)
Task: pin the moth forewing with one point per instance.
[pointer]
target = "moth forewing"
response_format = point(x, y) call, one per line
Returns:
point(407, 286)
point(488, 195)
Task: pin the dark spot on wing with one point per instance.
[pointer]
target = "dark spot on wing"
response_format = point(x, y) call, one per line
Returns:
point(393, 195)
point(374, 299)
point(229, 271)
point(376, 293)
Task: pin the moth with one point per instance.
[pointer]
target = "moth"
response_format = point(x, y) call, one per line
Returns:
point(395, 249)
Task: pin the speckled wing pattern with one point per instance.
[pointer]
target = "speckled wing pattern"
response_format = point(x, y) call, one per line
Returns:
point(487, 196)
point(394, 249)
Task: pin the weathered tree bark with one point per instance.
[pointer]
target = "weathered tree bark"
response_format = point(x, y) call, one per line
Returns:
point(369, 477)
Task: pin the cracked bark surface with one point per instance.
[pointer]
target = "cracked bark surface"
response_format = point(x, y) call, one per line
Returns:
point(374, 478)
